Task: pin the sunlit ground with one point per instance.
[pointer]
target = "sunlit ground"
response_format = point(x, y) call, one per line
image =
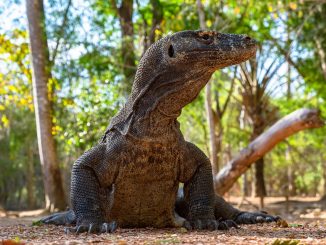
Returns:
point(305, 218)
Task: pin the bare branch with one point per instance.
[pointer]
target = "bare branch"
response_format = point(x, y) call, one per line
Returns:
point(296, 121)
point(60, 32)
point(245, 80)
point(201, 14)
point(229, 93)
point(268, 77)
point(267, 71)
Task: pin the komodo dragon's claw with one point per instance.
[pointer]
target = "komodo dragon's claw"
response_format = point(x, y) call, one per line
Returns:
point(92, 228)
point(230, 224)
point(255, 218)
point(210, 225)
point(61, 218)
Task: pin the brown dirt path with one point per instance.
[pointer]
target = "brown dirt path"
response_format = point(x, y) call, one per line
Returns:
point(248, 234)
point(311, 230)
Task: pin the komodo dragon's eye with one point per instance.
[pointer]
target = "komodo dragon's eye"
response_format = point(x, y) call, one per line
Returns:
point(171, 51)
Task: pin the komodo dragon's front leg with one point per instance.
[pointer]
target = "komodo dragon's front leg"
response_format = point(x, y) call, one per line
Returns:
point(91, 189)
point(91, 192)
point(198, 199)
point(199, 196)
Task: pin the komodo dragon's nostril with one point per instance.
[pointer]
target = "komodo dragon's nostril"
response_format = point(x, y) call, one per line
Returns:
point(205, 36)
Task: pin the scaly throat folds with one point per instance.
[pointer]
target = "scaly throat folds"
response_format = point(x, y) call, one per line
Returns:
point(186, 91)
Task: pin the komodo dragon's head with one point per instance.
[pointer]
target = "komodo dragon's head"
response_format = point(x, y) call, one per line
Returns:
point(173, 70)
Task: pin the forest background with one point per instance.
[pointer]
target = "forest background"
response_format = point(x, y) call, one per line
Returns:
point(93, 48)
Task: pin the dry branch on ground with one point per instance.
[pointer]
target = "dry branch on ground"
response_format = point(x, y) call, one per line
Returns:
point(294, 122)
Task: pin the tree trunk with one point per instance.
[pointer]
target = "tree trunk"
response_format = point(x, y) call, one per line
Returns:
point(246, 184)
point(245, 189)
point(260, 188)
point(294, 122)
point(290, 175)
point(259, 178)
point(211, 126)
point(54, 193)
point(156, 20)
point(322, 159)
point(208, 103)
point(30, 179)
point(322, 56)
point(125, 12)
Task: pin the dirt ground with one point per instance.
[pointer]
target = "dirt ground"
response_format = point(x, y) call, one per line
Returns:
point(305, 219)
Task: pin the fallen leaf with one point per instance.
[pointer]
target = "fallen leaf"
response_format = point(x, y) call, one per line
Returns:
point(282, 223)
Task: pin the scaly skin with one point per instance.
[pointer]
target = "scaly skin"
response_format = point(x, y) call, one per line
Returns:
point(131, 177)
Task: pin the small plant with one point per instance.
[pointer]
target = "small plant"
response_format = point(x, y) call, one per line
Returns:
point(285, 242)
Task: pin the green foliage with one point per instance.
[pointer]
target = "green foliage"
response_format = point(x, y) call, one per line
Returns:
point(37, 223)
point(17, 127)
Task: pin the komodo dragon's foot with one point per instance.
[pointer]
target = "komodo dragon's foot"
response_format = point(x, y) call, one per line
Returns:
point(255, 218)
point(69, 217)
point(62, 218)
point(210, 224)
point(92, 227)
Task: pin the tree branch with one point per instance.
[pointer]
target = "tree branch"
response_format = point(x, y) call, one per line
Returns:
point(60, 33)
point(296, 121)
point(229, 93)
point(322, 56)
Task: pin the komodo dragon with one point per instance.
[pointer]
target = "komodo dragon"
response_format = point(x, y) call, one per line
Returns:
point(131, 178)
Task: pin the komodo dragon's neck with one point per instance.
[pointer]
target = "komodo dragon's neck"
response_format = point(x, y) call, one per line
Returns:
point(170, 75)
point(155, 114)
point(153, 111)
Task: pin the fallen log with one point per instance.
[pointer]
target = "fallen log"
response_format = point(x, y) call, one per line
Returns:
point(294, 122)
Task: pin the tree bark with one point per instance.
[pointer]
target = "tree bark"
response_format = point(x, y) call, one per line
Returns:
point(322, 56)
point(125, 12)
point(211, 126)
point(156, 20)
point(30, 179)
point(54, 194)
point(294, 122)
point(259, 178)
point(256, 103)
point(324, 175)
point(208, 102)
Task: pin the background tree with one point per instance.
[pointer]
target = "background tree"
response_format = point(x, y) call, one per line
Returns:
point(54, 193)
point(214, 115)
point(125, 14)
point(256, 78)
